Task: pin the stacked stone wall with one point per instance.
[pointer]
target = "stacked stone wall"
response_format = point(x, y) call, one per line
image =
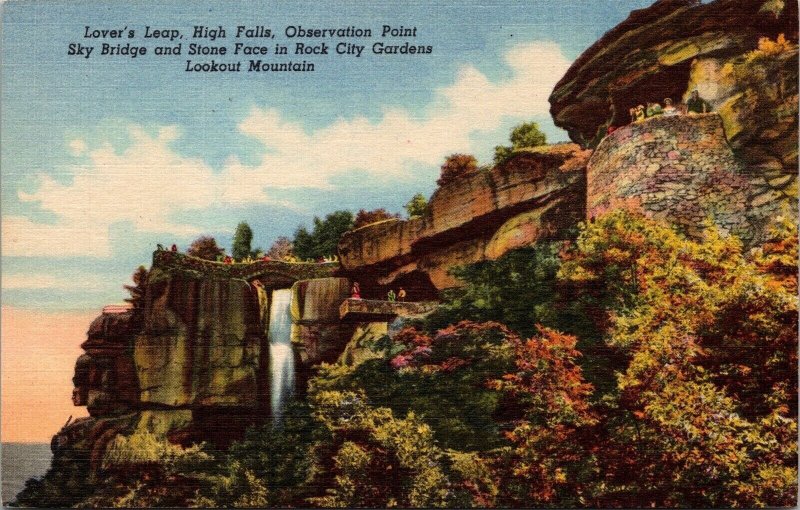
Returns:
point(680, 169)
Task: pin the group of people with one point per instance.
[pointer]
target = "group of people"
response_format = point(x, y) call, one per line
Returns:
point(391, 296)
point(694, 105)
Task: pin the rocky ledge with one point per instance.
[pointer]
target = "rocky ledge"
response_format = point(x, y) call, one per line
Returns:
point(536, 194)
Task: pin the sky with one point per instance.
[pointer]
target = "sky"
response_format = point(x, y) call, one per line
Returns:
point(102, 158)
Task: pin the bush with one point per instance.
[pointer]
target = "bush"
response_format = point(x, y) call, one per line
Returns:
point(523, 135)
point(205, 247)
point(373, 459)
point(281, 249)
point(417, 206)
point(364, 217)
point(457, 166)
point(323, 240)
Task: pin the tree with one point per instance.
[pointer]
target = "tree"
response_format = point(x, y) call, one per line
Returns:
point(455, 166)
point(704, 412)
point(323, 240)
point(281, 249)
point(550, 463)
point(417, 206)
point(137, 290)
point(517, 290)
point(241, 241)
point(527, 134)
point(205, 247)
point(373, 459)
point(364, 217)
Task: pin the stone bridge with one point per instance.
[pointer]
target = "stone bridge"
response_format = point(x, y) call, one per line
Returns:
point(267, 271)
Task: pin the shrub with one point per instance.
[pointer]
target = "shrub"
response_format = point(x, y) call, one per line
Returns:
point(364, 217)
point(527, 134)
point(457, 166)
point(417, 206)
point(205, 247)
point(281, 249)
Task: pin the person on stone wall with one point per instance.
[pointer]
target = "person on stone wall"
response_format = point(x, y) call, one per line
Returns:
point(669, 110)
point(391, 296)
point(639, 115)
point(401, 294)
point(696, 104)
point(653, 110)
point(355, 293)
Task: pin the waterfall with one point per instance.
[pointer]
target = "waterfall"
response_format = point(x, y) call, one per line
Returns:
point(281, 357)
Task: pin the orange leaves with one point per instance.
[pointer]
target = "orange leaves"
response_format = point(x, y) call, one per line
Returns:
point(548, 380)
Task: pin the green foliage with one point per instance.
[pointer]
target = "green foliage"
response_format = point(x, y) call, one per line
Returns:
point(417, 206)
point(373, 459)
point(323, 240)
point(442, 378)
point(527, 134)
point(518, 290)
point(269, 467)
point(205, 247)
point(242, 239)
point(143, 448)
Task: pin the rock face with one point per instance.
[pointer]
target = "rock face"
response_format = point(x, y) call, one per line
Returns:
point(679, 169)
point(535, 195)
point(675, 46)
point(191, 361)
point(317, 332)
point(200, 344)
point(652, 53)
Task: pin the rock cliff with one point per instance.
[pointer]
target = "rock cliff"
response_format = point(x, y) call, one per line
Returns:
point(675, 46)
point(194, 352)
point(537, 194)
point(191, 361)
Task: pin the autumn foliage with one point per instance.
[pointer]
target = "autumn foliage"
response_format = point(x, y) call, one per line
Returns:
point(457, 166)
point(695, 403)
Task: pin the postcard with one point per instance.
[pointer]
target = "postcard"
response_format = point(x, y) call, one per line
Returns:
point(369, 255)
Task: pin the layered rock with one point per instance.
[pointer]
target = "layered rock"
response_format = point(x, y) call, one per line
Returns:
point(652, 53)
point(191, 361)
point(318, 333)
point(676, 46)
point(537, 194)
point(200, 343)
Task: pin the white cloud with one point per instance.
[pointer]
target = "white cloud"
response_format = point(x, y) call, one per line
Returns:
point(148, 183)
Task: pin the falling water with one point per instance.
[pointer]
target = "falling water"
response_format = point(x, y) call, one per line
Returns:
point(280, 351)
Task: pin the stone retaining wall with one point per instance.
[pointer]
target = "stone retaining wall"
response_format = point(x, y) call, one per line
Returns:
point(680, 169)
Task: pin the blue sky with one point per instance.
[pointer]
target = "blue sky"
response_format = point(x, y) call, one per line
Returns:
point(104, 157)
